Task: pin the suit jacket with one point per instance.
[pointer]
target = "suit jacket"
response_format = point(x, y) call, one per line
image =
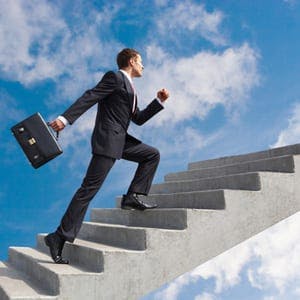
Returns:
point(114, 96)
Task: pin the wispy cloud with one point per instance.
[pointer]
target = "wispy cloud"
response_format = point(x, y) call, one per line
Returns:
point(205, 296)
point(292, 3)
point(189, 18)
point(291, 134)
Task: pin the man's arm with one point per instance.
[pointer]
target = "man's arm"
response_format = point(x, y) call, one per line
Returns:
point(142, 116)
point(105, 87)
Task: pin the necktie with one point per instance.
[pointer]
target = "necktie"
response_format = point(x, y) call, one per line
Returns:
point(134, 98)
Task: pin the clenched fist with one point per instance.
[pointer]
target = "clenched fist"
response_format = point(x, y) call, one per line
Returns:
point(163, 95)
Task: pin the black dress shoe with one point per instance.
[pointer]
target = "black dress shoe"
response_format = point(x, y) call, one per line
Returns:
point(56, 244)
point(132, 201)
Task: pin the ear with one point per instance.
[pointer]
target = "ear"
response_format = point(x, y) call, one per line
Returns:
point(131, 61)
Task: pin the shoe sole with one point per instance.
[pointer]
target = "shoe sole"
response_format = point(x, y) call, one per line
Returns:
point(136, 208)
point(132, 208)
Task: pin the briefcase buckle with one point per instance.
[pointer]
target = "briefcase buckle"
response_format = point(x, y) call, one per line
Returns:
point(31, 141)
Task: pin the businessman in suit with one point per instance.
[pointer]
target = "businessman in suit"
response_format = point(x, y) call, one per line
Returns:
point(117, 106)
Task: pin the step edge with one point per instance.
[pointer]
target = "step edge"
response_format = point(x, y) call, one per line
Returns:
point(256, 173)
point(289, 156)
point(250, 153)
point(26, 279)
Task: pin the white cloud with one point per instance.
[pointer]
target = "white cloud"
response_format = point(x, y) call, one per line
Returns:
point(297, 291)
point(193, 18)
point(199, 83)
point(225, 268)
point(173, 141)
point(271, 260)
point(291, 134)
point(27, 30)
point(172, 290)
point(278, 251)
point(205, 296)
point(38, 44)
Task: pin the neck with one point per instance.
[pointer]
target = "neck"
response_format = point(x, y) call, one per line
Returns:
point(128, 70)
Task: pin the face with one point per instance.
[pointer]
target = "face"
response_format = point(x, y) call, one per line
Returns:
point(137, 66)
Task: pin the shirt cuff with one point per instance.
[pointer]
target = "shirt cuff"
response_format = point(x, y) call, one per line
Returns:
point(159, 101)
point(63, 119)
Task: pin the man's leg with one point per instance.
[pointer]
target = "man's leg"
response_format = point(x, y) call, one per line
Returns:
point(148, 159)
point(74, 215)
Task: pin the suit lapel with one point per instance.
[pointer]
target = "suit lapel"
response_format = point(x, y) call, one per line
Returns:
point(129, 90)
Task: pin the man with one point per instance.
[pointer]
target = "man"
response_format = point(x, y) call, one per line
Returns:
point(117, 106)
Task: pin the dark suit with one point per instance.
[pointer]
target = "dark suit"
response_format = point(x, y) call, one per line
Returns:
point(110, 141)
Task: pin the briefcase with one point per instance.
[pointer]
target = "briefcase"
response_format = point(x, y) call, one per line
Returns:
point(36, 140)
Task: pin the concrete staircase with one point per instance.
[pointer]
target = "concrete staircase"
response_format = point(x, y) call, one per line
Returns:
point(203, 211)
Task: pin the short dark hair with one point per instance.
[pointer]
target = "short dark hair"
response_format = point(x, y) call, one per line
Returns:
point(124, 56)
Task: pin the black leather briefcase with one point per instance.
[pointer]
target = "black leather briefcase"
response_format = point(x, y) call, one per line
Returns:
point(37, 140)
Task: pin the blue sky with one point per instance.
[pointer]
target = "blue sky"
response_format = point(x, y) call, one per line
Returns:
point(232, 69)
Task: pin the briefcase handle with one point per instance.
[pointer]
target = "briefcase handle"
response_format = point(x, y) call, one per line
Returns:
point(57, 132)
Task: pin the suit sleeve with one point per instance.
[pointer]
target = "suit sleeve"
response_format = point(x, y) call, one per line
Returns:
point(105, 87)
point(142, 116)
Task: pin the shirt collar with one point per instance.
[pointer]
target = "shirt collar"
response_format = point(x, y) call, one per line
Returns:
point(127, 75)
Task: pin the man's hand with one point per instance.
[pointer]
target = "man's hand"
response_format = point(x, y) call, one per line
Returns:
point(57, 125)
point(163, 95)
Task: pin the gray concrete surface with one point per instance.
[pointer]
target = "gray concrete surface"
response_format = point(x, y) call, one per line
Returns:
point(235, 159)
point(126, 254)
point(275, 164)
point(212, 199)
point(158, 218)
point(247, 181)
point(16, 285)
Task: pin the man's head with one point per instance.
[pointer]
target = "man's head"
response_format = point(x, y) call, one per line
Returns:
point(130, 60)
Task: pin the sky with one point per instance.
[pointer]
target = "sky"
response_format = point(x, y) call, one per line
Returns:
point(232, 69)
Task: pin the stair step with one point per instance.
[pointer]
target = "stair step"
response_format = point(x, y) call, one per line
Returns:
point(46, 274)
point(275, 164)
point(230, 160)
point(247, 181)
point(16, 285)
point(158, 218)
point(213, 199)
point(87, 255)
point(132, 238)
